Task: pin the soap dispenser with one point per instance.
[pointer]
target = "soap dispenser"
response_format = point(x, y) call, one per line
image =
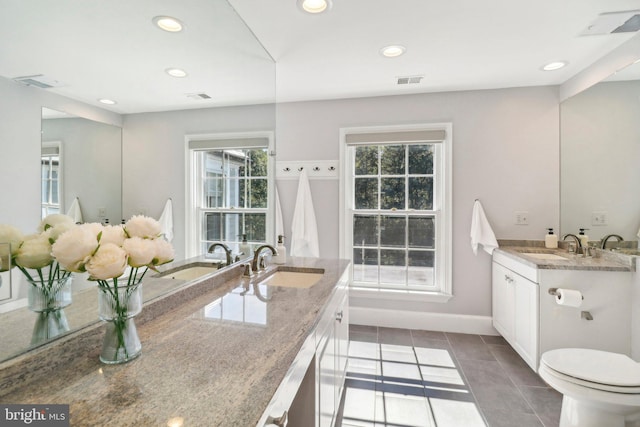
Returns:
point(550, 240)
point(584, 239)
point(281, 258)
point(244, 246)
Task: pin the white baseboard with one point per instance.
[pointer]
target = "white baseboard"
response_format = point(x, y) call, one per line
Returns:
point(461, 323)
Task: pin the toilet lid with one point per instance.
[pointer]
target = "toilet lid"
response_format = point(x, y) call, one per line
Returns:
point(594, 366)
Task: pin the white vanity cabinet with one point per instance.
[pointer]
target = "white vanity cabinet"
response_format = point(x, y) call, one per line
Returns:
point(526, 314)
point(515, 307)
point(310, 395)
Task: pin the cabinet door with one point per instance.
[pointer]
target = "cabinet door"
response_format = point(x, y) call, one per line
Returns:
point(503, 294)
point(526, 321)
point(342, 346)
point(327, 378)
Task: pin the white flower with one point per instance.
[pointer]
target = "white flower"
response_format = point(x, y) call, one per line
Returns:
point(13, 236)
point(112, 234)
point(108, 262)
point(74, 248)
point(55, 220)
point(164, 252)
point(141, 251)
point(35, 252)
point(142, 226)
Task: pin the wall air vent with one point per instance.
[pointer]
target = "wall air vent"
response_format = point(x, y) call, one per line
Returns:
point(39, 80)
point(410, 80)
point(198, 96)
point(614, 22)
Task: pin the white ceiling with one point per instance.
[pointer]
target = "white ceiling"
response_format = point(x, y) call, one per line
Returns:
point(110, 49)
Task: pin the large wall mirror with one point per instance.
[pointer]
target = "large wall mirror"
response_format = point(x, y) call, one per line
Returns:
point(65, 158)
point(600, 158)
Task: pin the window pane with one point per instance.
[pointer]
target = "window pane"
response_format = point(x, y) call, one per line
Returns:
point(235, 193)
point(393, 266)
point(255, 226)
point(213, 192)
point(421, 193)
point(392, 159)
point(365, 230)
point(365, 265)
point(257, 162)
point(392, 193)
point(258, 193)
point(366, 193)
point(54, 192)
point(221, 226)
point(366, 161)
point(421, 159)
point(421, 271)
point(213, 226)
point(392, 231)
point(421, 232)
point(45, 191)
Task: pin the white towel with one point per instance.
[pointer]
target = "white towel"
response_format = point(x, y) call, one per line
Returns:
point(166, 221)
point(75, 212)
point(304, 230)
point(279, 221)
point(481, 232)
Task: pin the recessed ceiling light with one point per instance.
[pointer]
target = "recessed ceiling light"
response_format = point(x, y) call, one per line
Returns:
point(392, 51)
point(552, 66)
point(107, 101)
point(314, 6)
point(176, 72)
point(168, 23)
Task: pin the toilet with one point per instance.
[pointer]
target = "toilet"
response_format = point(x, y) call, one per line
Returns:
point(600, 389)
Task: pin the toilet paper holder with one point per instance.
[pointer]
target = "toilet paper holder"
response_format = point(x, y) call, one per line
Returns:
point(555, 293)
point(583, 314)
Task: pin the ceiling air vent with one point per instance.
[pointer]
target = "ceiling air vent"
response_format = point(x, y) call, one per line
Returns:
point(39, 80)
point(410, 80)
point(614, 22)
point(198, 96)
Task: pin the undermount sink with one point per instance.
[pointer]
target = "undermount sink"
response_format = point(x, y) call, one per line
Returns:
point(292, 279)
point(546, 256)
point(191, 273)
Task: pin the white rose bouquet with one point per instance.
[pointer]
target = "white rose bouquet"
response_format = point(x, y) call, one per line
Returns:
point(106, 253)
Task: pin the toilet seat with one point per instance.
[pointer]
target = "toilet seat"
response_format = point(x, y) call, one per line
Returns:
point(595, 369)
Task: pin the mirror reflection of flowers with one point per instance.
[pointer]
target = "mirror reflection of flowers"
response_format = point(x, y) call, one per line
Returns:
point(32, 253)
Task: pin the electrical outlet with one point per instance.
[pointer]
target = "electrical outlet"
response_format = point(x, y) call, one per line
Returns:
point(522, 218)
point(598, 218)
point(102, 212)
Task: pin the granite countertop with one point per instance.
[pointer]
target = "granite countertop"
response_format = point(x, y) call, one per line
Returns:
point(600, 261)
point(210, 355)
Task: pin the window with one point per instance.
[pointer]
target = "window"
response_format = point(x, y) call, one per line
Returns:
point(230, 192)
point(50, 167)
point(397, 223)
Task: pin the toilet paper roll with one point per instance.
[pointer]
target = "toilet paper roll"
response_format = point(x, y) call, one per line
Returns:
point(568, 297)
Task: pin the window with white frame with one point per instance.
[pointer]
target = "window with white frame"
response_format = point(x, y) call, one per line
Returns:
point(50, 167)
point(229, 192)
point(397, 224)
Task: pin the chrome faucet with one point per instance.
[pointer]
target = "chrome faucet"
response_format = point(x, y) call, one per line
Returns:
point(258, 262)
point(577, 240)
point(226, 248)
point(603, 242)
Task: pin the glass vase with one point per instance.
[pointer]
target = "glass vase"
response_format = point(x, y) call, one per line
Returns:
point(118, 305)
point(48, 298)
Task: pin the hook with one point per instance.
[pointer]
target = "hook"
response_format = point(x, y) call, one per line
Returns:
point(300, 169)
point(316, 168)
point(287, 169)
point(332, 168)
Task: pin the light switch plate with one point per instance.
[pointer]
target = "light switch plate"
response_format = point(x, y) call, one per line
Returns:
point(521, 218)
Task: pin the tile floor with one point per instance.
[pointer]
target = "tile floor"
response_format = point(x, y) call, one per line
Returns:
point(411, 378)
